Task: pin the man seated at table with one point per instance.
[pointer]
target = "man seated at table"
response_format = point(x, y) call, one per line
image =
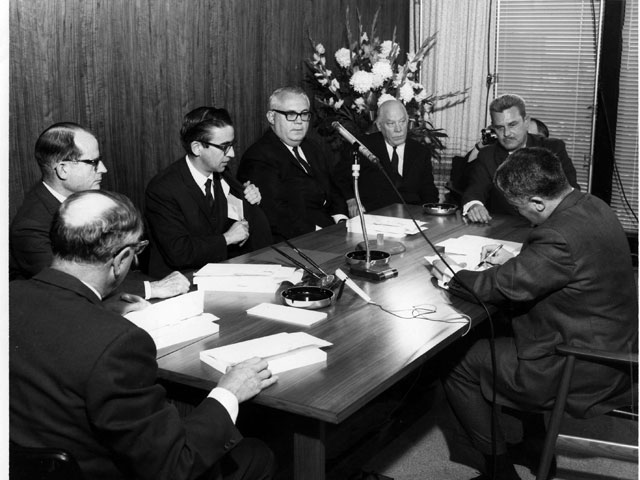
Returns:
point(82, 378)
point(510, 122)
point(294, 176)
point(197, 213)
point(406, 161)
point(69, 158)
point(572, 283)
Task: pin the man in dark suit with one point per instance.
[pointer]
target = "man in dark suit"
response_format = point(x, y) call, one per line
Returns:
point(197, 213)
point(510, 122)
point(69, 158)
point(572, 283)
point(293, 175)
point(406, 162)
point(82, 378)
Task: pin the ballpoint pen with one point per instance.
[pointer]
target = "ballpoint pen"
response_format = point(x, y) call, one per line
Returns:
point(489, 255)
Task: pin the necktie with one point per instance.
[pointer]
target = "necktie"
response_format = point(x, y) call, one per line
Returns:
point(207, 194)
point(395, 161)
point(302, 163)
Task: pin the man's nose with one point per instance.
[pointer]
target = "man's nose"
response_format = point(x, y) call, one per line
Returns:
point(231, 153)
point(102, 168)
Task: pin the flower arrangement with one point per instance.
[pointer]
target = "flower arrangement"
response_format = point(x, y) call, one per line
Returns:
point(367, 74)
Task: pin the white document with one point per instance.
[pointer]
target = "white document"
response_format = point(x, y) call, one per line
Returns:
point(235, 209)
point(234, 277)
point(282, 351)
point(175, 320)
point(283, 313)
point(389, 226)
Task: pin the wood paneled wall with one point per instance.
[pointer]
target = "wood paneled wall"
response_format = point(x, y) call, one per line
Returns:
point(130, 69)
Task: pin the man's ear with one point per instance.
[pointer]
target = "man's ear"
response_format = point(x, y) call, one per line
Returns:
point(61, 170)
point(196, 148)
point(122, 262)
point(271, 117)
point(538, 203)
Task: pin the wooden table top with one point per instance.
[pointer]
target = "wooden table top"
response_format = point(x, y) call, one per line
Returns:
point(372, 349)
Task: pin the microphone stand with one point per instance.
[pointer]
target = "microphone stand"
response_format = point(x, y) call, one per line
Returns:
point(355, 172)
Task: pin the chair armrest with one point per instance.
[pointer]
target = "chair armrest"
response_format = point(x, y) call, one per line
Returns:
point(594, 354)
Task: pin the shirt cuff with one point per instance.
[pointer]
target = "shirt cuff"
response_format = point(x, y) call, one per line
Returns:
point(470, 204)
point(338, 217)
point(147, 290)
point(228, 400)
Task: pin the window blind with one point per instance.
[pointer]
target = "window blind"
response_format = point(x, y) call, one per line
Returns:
point(547, 53)
point(624, 197)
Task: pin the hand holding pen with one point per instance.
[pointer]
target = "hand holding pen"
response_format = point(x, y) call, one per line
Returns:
point(493, 255)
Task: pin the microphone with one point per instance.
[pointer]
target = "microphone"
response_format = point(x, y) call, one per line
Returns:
point(352, 285)
point(364, 151)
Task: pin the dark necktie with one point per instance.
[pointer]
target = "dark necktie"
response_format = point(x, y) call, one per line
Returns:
point(207, 194)
point(395, 161)
point(302, 163)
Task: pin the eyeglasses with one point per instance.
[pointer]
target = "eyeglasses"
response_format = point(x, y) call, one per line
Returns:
point(292, 116)
point(225, 147)
point(94, 163)
point(137, 247)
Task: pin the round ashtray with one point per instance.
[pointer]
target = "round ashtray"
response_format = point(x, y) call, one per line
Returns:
point(359, 257)
point(440, 208)
point(307, 297)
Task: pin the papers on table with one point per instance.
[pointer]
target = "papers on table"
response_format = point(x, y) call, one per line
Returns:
point(297, 316)
point(233, 277)
point(389, 226)
point(283, 351)
point(176, 320)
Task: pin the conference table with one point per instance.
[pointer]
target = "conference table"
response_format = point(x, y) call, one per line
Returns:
point(374, 346)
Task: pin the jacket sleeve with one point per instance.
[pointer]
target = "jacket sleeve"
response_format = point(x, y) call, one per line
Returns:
point(480, 179)
point(30, 245)
point(146, 435)
point(560, 150)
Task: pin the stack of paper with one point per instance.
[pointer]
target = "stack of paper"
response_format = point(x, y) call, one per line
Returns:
point(176, 320)
point(389, 226)
point(282, 351)
point(467, 249)
point(232, 277)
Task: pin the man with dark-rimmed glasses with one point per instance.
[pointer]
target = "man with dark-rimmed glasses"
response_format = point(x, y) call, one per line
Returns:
point(69, 158)
point(196, 211)
point(291, 171)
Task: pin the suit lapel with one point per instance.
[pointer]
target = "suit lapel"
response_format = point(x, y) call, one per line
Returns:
point(50, 202)
point(193, 189)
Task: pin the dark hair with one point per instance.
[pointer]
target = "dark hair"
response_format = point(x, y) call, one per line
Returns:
point(100, 234)
point(542, 128)
point(57, 143)
point(197, 123)
point(531, 172)
point(506, 101)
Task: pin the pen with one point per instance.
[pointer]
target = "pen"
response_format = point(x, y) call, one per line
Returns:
point(489, 255)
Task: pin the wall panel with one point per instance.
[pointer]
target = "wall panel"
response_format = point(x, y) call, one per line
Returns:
point(130, 69)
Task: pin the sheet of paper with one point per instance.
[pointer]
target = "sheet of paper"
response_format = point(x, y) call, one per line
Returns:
point(235, 208)
point(257, 278)
point(467, 249)
point(389, 226)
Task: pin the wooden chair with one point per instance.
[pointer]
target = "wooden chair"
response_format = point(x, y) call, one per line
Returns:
point(42, 464)
point(553, 429)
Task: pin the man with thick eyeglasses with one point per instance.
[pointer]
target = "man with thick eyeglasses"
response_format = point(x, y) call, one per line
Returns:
point(69, 158)
point(291, 171)
point(197, 212)
point(84, 379)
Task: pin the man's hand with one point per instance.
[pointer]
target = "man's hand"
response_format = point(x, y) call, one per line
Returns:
point(479, 214)
point(246, 379)
point(352, 206)
point(124, 303)
point(498, 258)
point(252, 193)
point(173, 284)
point(238, 232)
point(442, 272)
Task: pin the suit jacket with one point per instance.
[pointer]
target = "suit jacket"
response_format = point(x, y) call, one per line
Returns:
point(183, 232)
point(29, 242)
point(572, 283)
point(481, 171)
point(294, 201)
point(415, 185)
point(83, 378)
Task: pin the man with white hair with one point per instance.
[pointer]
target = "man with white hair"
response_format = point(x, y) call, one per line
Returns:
point(83, 378)
point(406, 162)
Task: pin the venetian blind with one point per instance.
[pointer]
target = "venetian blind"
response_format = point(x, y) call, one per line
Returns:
point(624, 198)
point(546, 53)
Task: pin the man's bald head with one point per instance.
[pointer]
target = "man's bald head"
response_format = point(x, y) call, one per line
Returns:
point(393, 122)
point(93, 226)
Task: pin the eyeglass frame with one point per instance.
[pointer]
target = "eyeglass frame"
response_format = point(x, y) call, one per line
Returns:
point(138, 247)
point(225, 147)
point(93, 162)
point(288, 113)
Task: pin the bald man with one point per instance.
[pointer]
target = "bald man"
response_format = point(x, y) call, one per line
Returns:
point(406, 161)
point(82, 378)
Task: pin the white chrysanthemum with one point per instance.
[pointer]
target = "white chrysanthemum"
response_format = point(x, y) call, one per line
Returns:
point(338, 105)
point(385, 97)
point(383, 69)
point(343, 57)
point(361, 81)
point(358, 104)
point(387, 47)
point(320, 49)
point(335, 85)
point(406, 92)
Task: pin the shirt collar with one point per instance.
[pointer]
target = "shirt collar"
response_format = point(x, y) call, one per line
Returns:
point(200, 179)
point(61, 198)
